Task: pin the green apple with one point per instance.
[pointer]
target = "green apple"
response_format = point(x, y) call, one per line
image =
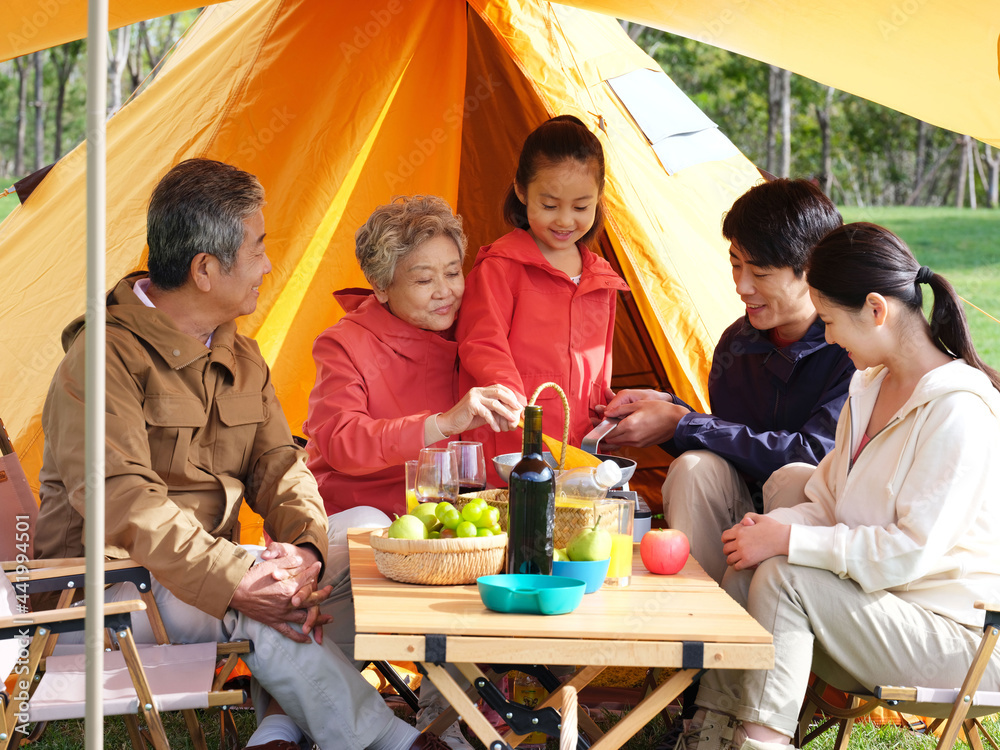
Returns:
point(407, 527)
point(590, 544)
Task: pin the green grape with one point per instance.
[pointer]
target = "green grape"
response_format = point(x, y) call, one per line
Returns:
point(495, 529)
point(434, 535)
point(490, 517)
point(484, 532)
point(450, 517)
point(472, 512)
point(465, 529)
point(441, 508)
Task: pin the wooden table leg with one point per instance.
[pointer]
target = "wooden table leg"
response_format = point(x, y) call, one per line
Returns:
point(644, 712)
point(462, 703)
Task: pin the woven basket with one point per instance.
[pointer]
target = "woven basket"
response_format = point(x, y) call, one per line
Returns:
point(570, 518)
point(438, 561)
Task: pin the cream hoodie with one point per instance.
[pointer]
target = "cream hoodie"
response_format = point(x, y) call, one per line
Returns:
point(918, 513)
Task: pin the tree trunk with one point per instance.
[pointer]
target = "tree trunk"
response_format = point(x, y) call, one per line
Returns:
point(21, 64)
point(773, 115)
point(823, 117)
point(963, 165)
point(785, 166)
point(921, 163)
point(993, 159)
point(116, 66)
point(971, 171)
point(64, 58)
point(633, 29)
point(39, 105)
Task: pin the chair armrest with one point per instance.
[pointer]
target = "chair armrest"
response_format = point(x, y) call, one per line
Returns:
point(70, 573)
point(16, 625)
point(988, 606)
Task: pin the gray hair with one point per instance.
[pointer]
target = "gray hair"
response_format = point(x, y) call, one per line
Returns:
point(396, 229)
point(199, 206)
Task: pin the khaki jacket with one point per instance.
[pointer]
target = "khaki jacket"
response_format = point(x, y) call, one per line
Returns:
point(190, 432)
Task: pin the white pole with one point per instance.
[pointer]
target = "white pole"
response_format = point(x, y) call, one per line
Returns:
point(97, 29)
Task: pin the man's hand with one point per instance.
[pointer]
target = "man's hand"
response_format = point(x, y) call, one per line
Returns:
point(753, 540)
point(645, 418)
point(282, 589)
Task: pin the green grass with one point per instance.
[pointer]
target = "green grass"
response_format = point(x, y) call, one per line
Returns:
point(962, 245)
point(68, 735)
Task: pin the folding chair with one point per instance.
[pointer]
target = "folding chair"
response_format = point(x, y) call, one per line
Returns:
point(953, 709)
point(18, 511)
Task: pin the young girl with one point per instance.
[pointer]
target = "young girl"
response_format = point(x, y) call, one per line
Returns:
point(539, 306)
point(875, 574)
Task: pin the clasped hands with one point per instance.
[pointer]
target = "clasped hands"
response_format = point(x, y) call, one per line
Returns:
point(646, 418)
point(282, 589)
point(753, 540)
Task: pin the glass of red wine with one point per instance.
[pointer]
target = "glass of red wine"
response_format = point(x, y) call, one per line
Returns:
point(437, 475)
point(471, 465)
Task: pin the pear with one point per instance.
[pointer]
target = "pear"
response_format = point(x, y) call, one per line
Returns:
point(425, 512)
point(407, 527)
point(559, 553)
point(590, 544)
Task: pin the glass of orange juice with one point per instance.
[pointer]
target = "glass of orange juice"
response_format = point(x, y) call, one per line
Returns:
point(411, 485)
point(616, 516)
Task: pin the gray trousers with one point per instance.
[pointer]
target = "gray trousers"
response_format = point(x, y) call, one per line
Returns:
point(850, 638)
point(317, 685)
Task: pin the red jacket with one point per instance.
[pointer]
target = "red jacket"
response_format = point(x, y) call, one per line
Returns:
point(377, 380)
point(523, 322)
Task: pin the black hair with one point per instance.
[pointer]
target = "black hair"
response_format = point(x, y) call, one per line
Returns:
point(776, 223)
point(552, 142)
point(857, 259)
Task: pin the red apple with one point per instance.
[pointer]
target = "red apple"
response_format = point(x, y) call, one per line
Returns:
point(664, 551)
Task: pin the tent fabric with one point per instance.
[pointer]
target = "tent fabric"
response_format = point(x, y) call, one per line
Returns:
point(336, 108)
point(939, 62)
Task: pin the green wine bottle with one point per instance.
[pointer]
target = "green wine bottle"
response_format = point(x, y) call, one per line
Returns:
point(531, 506)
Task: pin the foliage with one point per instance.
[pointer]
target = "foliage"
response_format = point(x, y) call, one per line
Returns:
point(876, 157)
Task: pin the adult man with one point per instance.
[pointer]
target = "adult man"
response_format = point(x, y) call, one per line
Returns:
point(776, 387)
point(193, 426)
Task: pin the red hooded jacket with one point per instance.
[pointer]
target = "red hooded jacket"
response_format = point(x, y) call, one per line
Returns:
point(377, 379)
point(523, 322)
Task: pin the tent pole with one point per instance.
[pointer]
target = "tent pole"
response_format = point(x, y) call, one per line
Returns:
point(97, 30)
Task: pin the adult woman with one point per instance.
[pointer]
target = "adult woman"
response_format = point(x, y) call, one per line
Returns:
point(897, 537)
point(386, 373)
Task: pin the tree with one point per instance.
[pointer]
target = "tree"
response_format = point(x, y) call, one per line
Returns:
point(64, 59)
point(38, 59)
point(21, 64)
point(117, 57)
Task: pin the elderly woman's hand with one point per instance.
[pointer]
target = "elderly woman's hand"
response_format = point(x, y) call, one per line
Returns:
point(496, 406)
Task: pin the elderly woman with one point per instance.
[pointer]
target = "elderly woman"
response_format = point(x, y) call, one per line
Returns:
point(386, 373)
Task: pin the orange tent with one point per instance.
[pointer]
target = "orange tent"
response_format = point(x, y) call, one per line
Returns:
point(337, 107)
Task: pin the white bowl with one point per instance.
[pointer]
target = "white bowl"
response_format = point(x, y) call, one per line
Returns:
point(505, 462)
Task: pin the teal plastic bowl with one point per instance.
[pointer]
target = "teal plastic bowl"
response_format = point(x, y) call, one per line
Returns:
point(591, 572)
point(530, 594)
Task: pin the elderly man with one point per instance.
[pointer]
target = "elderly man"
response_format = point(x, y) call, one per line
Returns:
point(193, 427)
point(776, 386)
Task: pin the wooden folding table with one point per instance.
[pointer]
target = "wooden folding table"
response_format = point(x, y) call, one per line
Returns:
point(685, 621)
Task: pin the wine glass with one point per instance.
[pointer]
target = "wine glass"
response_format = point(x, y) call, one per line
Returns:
point(471, 465)
point(437, 475)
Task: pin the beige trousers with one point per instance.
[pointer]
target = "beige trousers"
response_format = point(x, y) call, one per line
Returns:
point(849, 637)
point(704, 495)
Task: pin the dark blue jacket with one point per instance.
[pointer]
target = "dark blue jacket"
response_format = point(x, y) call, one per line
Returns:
point(770, 406)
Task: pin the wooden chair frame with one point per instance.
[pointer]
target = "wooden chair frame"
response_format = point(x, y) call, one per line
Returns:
point(892, 696)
